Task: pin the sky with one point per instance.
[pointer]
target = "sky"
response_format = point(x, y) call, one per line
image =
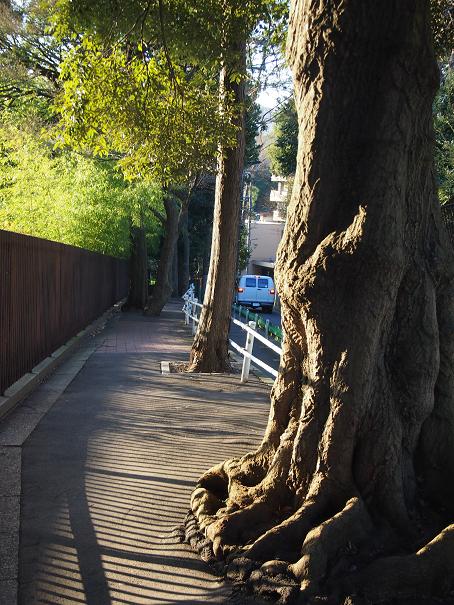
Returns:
point(269, 97)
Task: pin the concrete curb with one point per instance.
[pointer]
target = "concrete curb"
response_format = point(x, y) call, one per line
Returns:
point(28, 382)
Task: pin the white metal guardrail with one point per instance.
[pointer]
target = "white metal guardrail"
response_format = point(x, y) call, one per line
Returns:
point(190, 309)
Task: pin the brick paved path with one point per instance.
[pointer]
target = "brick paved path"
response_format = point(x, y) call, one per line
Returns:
point(107, 474)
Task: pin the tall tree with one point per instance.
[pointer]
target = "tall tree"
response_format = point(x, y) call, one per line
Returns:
point(351, 491)
point(209, 351)
point(174, 47)
point(140, 82)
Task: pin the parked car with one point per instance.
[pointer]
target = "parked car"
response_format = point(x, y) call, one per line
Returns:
point(256, 291)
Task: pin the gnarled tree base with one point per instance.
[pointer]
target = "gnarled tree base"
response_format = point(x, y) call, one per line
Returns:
point(319, 554)
point(351, 494)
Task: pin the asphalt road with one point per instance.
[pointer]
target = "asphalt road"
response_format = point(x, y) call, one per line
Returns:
point(260, 350)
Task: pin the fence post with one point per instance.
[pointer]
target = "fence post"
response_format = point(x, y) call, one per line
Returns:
point(246, 360)
point(194, 311)
point(267, 327)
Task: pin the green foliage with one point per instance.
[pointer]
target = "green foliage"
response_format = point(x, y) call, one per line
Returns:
point(67, 197)
point(200, 224)
point(442, 12)
point(244, 252)
point(284, 149)
point(141, 79)
point(444, 136)
point(261, 185)
point(163, 126)
point(254, 126)
point(29, 58)
point(192, 31)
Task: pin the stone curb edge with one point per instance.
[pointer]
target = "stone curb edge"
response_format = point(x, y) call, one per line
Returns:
point(28, 382)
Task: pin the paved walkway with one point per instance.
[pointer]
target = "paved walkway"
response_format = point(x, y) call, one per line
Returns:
point(108, 471)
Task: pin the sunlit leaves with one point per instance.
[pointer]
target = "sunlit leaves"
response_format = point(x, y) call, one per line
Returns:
point(67, 197)
point(164, 125)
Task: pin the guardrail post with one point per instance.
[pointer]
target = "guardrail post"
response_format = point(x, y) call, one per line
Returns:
point(249, 345)
point(194, 311)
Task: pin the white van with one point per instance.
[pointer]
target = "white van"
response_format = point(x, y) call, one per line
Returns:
point(256, 291)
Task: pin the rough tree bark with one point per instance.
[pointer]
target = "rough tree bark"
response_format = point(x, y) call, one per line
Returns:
point(163, 288)
point(210, 348)
point(352, 489)
point(138, 291)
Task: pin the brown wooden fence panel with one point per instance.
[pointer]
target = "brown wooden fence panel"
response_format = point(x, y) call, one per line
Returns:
point(48, 293)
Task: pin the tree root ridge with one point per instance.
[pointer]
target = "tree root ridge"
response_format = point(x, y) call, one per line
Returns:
point(272, 581)
point(192, 535)
point(339, 563)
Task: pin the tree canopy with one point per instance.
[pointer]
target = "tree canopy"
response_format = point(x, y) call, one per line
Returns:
point(142, 80)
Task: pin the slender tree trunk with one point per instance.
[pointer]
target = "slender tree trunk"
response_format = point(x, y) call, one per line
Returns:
point(210, 349)
point(138, 292)
point(183, 253)
point(163, 288)
point(352, 489)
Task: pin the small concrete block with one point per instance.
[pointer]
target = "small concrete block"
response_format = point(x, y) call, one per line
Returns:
point(9, 557)
point(59, 352)
point(25, 382)
point(10, 476)
point(8, 592)
point(45, 364)
point(9, 514)
point(165, 367)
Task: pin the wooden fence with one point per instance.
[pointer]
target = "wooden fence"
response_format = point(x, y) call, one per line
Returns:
point(48, 293)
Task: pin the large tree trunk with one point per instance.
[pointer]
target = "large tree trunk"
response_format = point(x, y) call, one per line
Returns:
point(163, 288)
point(210, 349)
point(353, 483)
point(138, 291)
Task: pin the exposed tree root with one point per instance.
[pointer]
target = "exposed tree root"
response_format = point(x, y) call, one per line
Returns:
point(428, 572)
point(323, 543)
point(356, 470)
